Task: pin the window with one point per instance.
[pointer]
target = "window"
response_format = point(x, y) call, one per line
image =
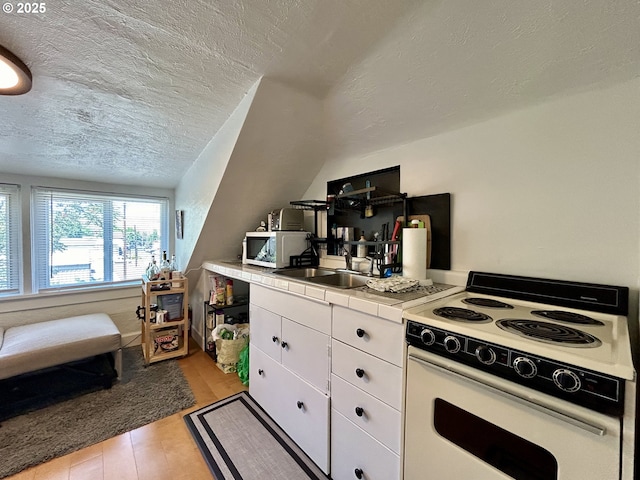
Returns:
point(85, 238)
point(10, 240)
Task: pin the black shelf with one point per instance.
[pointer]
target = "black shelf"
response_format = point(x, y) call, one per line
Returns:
point(369, 243)
point(310, 204)
point(370, 196)
point(215, 306)
point(212, 307)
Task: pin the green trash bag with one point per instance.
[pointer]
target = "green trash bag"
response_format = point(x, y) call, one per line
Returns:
point(243, 366)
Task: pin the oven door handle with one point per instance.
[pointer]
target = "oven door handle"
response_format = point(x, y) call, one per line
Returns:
point(594, 429)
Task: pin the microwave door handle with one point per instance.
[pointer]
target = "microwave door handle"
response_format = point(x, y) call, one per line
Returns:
point(594, 429)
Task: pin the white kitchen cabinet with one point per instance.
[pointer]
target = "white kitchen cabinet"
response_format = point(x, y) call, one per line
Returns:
point(306, 417)
point(367, 412)
point(356, 454)
point(265, 381)
point(289, 366)
point(266, 331)
point(374, 376)
point(306, 352)
point(314, 314)
point(366, 396)
point(379, 337)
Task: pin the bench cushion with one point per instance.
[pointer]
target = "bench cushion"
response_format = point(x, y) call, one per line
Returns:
point(31, 347)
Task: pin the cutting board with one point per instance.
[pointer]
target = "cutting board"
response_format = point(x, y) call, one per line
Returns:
point(427, 224)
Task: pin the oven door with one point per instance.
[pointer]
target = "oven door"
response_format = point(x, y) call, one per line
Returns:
point(463, 423)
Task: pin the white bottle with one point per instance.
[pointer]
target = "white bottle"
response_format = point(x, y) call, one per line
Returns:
point(361, 250)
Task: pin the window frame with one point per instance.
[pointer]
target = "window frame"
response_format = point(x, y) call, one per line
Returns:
point(14, 239)
point(41, 264)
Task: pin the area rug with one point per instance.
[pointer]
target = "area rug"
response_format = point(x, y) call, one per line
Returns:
point(142, 396)
point(239, 441)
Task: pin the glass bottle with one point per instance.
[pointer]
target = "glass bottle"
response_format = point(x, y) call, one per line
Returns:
point(173, 264)
point(165, 270)
point(153, 271)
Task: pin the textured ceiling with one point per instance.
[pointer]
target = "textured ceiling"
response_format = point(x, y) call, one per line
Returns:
point(131, 91)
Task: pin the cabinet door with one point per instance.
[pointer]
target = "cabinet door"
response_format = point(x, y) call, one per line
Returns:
point(265, 331)
point(306, 352)
point(352, 449)
point(381, 379)
point(305, 418)
point(266, 383)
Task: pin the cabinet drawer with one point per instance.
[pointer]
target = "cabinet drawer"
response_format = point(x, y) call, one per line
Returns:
point(381, 379)
point(352, 448)
point(312, 313)
point(306, 353)
point(305, 417)
point(377, 336)
point(265, 331)
point(370, 414)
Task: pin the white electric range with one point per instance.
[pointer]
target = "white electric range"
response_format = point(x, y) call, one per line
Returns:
point(520, 377)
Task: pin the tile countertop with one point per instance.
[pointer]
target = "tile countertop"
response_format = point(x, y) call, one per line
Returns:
point(372, 304)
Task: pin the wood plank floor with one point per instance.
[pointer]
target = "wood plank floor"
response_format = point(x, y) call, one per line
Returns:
point(163, 450)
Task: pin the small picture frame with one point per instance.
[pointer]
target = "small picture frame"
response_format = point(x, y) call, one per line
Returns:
point(179, 223)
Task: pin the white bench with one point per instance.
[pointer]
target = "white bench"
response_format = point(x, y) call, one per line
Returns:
point(31, 347)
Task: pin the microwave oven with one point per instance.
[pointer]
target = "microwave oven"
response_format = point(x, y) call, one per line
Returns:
point(272, 249)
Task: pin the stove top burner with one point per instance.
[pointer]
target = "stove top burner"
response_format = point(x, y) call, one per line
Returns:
point(549, 332)
point(486, 302)
point(569, 317)
point(462, 314)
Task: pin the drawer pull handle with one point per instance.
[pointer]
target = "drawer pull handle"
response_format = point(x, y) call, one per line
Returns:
point(260, 371)
point(300, 405)
point(359, 411)
point(284, 344)
point(274, 339)
point(360, 332)
point(359, 372)
point(359, 473)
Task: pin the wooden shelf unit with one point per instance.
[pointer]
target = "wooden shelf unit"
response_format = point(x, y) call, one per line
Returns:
point(151, 289)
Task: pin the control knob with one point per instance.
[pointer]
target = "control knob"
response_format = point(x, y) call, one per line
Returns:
point(525, 367)
point(427, 336)
point(451, 344)
point(485, 354)
point(566, 380)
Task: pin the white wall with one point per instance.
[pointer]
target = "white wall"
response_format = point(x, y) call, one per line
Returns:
point(549, 191)
point(198, 186)
point(268, 153)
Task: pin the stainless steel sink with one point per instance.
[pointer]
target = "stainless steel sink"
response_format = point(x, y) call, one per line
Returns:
point(341, 280)
point(324, 276)
point(305, 273)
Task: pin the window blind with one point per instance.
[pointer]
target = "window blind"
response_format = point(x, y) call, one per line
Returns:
point(87, 238)
point(10, 240)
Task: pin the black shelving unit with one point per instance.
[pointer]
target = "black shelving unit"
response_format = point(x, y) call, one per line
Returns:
point(241, 306)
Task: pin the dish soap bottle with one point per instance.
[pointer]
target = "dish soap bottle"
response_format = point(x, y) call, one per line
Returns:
point(361, 250)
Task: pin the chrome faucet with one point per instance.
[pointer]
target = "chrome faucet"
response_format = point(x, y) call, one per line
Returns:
point(372, 262)
point(347, 258)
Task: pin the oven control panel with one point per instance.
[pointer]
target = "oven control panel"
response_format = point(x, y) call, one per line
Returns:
point(589, 389)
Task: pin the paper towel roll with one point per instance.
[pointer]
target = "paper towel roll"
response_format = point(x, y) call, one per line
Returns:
point(414, 253)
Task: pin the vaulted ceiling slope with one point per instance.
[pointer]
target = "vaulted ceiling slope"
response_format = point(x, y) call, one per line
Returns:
point(457, 62)
point(131, 91)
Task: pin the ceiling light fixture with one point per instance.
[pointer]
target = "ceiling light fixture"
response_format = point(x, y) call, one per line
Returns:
point(15, 77)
